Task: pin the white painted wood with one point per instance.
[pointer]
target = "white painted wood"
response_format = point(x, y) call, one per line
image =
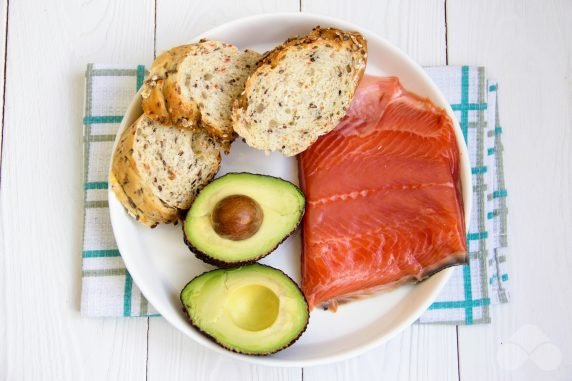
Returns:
point(173, 356)
point(527, 47)
point(3, 18)
point(42, 336)
point(421, 352)
point(176, 25)
point(416, 27)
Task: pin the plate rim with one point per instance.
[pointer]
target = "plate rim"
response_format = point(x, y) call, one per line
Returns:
point(442, 277)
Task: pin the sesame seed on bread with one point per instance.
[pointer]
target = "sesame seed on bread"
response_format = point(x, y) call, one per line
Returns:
point(300, 90)
point(194, 85)
point(158, 170)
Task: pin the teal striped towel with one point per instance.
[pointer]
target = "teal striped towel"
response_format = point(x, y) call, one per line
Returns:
point(108, 290)
point(467, 297)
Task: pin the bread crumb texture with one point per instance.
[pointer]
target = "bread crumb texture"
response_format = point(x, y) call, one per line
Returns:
point(300, 90)
point(158, 170)
point(193, 86)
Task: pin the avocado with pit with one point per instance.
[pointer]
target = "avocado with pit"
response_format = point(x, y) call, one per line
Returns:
point(253, 309)
point(241, 217)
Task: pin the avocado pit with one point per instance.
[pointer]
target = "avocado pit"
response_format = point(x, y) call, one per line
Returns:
point(240, 218)
point(237, 217)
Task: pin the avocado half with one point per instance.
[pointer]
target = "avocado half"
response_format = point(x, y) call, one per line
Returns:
point(241, 217)
point(253, 309)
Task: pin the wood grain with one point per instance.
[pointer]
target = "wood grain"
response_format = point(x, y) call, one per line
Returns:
point(416, 27)
point(527, 47)
point(3, 348)
point(173, 356)
point(524, 44)
point(421, 352)
point(41, 199)
point(176, 24)
point(3, 19)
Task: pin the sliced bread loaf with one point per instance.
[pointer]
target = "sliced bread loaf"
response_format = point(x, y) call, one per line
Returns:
point(158, 170)
point(197, 83)
point(300, 90)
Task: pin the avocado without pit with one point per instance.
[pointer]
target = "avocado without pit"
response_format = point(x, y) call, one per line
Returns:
point(241, 217)
point(253, 309)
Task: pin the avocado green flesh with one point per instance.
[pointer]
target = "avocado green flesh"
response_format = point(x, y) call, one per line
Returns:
point(282, 204)
point(254, 309)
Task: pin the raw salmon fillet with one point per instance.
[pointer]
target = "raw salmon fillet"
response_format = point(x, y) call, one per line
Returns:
point(383, 193)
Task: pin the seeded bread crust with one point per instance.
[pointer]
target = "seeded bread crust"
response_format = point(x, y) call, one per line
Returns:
point(286, 104)
point(158, 170)
point(194, 85)
point(154, 100)
point(125, 181)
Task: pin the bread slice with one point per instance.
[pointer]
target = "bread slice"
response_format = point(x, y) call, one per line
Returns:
point(300, 90)
point(157, 170)
point(197, 83)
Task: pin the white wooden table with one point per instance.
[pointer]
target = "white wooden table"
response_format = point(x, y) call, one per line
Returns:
point(525, 45)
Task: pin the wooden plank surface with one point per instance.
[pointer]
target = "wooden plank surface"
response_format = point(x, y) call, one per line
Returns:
point(173, 356)
point(524, 44)
point(421, 352)
point(416, 27)
point(527, 47)
point(3, 22)
point(43, 336)
point(176, 25)
point(3, 18)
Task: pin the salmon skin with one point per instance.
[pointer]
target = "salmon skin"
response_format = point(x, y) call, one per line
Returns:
point(383, 192)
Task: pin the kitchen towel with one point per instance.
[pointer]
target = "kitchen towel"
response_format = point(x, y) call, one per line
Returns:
point(467, 297)
point(108, 289)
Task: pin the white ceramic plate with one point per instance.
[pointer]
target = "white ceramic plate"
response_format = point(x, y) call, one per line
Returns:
point(161, 264)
